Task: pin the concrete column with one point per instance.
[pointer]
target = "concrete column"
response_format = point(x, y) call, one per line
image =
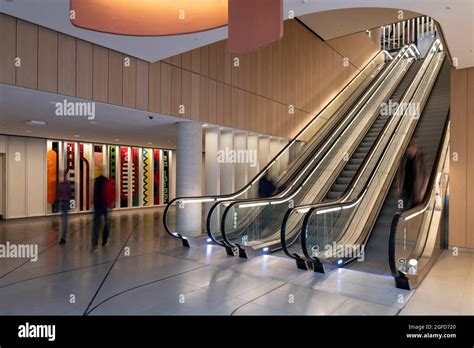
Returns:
point(226, 145)
point(189, 176)
point(241, 165)
point(211, 165)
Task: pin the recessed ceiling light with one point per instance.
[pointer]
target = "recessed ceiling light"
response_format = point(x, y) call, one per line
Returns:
point(76, 135)
point(28, 131)
point(35, 123)
point(117, 139)
point(150, 143)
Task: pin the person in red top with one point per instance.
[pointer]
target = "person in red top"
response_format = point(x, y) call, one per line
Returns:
point(104, 199)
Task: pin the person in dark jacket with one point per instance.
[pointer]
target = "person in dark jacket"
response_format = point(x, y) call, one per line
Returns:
point(103, 201)
point(411, 177)
point(64, 199)
point(266, 187)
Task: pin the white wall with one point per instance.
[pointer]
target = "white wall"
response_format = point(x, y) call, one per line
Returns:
point(227, 170)
point(241, 169)
point(35, 176)
point(26, 177)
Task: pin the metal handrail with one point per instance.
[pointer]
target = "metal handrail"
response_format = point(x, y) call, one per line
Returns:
point(343, 204)
point(278, 199)
point(214, 198)
point(419, 209)
point(283, 193)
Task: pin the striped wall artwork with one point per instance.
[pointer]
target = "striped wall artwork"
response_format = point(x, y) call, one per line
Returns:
point(124, 182)
point(146, 177)
point(69, 174)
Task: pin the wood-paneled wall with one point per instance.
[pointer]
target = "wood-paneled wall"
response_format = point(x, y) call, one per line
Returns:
point(249, 92)
point(461, 202)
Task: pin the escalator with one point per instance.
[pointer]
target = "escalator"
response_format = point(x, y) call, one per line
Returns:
point(357, 158)
point(286, 165)
point(262, 233)
point(365, 228)
point(353, 165)
point(360, 155)
point(429, 135)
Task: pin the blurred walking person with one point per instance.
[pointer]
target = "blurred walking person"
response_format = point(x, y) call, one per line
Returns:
point(104, 199)
point(64, 199)
point(411, 177)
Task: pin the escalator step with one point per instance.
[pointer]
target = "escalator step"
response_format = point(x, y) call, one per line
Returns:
point(344, 181)
point(333, 195)
point(348, 173)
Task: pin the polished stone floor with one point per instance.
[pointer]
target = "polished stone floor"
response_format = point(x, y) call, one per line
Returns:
point(144, 272)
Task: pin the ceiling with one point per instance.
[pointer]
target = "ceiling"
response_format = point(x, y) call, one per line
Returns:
point(455, 17)
point(129, 126)
point(337, 23)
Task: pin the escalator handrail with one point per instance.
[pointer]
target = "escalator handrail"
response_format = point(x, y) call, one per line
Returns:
point(213, 198)
point(343, 203)
point(283, 193)
point(277, 200)
point(420, 207)
point(331, 202)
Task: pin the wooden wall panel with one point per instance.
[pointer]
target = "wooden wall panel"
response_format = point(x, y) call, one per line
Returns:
point(176, 60)
point(220, 113)
point(196, 60)
point(254, 95)
point(212, 61)
point(66, 65)
point(204, 98)
point(130, 82)
point(470, 162)
point(154, 87)
point(212, 101)
point(187, 60)
point(48, 60)
point(358, 47)
point(176, 90)
point(142, 85)
point(27, 51)
point(186, 92)
point(115, 77)
point(195, 86)
point(204, 61)
point(165, 86)
point(84, 69)
point(100, 74)
point(227, 105)
point(220, 57)
point(457, 208)
point(8, 49)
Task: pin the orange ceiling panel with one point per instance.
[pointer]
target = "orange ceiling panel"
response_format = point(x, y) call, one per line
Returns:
point(149, 17)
